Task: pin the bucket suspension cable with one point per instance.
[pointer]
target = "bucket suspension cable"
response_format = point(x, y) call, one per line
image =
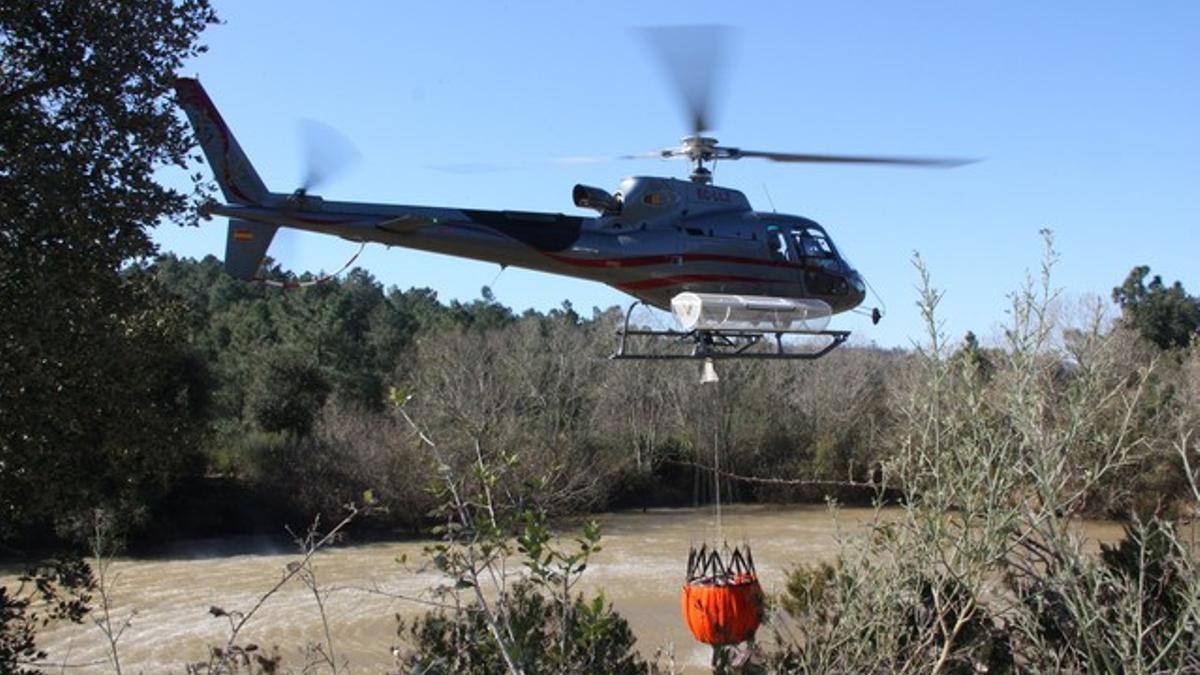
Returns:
point(289, 285)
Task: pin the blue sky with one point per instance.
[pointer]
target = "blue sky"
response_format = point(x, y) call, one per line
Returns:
point(1085, 114)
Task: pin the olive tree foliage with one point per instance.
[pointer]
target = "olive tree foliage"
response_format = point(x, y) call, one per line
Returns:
point(98, 401)
point(983, 567)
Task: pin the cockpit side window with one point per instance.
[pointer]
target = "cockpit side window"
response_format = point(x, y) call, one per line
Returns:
point(777, 244)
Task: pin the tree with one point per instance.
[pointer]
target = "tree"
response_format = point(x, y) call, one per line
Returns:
point(288, 393)
point(97, 402)
point(1164, 315)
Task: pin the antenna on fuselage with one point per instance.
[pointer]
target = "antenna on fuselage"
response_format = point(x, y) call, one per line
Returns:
point(769, 200)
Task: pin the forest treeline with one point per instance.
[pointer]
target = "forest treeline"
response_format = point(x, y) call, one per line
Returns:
point(247, 407)
point(293, 388)
point(297, 385)
point(280, 409)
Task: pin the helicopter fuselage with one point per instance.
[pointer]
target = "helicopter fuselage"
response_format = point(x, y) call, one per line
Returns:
point(669, 236)
point(653, 239)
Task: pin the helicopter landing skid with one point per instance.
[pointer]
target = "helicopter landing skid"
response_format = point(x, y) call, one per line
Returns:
point(714, 344)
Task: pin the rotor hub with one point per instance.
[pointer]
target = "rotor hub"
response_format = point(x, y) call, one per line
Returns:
point(699, 150)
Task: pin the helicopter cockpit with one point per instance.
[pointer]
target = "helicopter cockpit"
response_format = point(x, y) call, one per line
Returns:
point(814, 244)
point(809, 243)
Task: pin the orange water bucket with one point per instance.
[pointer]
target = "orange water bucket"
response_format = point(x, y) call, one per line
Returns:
point(723, 602)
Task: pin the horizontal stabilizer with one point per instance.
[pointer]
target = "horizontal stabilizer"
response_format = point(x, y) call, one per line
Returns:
point(245, 247)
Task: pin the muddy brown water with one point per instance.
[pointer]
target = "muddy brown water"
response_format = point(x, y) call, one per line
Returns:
point(640, 569)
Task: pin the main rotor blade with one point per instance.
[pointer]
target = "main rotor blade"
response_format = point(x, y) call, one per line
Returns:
point(691, 59)
point(582, 159)
point(327, 153)
point(942, 162)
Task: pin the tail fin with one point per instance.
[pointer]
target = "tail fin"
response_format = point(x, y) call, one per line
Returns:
point(246, 246)
point(246, 242)
point(238, 179)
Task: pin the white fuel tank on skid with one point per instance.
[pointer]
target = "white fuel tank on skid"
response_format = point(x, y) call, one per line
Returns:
point(750, 313)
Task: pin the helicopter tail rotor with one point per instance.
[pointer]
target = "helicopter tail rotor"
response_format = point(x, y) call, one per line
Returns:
point(327, 154)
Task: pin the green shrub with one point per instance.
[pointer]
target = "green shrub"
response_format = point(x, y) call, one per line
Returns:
point(592, 639)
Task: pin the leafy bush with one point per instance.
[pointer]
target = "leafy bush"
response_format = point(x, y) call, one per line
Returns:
point(593, 639)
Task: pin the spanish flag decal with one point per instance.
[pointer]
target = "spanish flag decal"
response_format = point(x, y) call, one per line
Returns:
point(243, 235)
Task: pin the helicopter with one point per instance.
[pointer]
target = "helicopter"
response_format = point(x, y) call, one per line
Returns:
point(731, 275)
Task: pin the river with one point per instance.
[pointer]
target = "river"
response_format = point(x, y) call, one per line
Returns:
point(640, 569)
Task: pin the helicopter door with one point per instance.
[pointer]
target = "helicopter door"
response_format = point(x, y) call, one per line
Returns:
point(782, 249)
point(777, 245)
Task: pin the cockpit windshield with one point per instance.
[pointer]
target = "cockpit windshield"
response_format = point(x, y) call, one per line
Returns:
point(813, 243)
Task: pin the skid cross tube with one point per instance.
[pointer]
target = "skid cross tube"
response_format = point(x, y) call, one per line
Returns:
point(720, 344)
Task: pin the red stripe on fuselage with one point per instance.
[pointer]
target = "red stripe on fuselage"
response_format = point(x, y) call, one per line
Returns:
point(644, 260)
point(662, 282)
